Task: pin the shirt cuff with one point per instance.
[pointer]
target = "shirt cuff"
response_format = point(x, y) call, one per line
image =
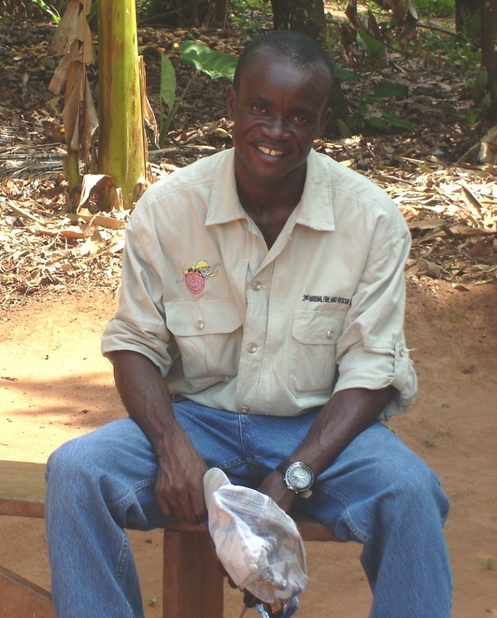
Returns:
point(378, 366)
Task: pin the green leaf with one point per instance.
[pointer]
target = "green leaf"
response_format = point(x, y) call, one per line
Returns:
point(377, 123)
point(471, 116)
point(485, 103)
point(167, 82)
point(363, 109)
point(343, 128)
point(372, 46)
point(345, 75)
point(209, 61)
point(355, 121)
point(399, 122)
point(387, 90)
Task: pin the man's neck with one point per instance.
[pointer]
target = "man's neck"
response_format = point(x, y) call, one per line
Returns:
point(269, 209)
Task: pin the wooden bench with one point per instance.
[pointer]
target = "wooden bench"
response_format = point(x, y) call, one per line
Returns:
point(192, 582)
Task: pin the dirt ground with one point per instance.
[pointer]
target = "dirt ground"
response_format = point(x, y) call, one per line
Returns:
point(54, 385)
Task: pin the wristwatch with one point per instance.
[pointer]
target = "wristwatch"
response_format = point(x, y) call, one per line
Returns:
point(298, 477)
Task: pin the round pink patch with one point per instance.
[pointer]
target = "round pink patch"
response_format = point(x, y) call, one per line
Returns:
point(195, 283)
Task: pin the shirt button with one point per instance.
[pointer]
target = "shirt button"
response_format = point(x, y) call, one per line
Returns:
point(257, 285)
point(244, 409)
point(252, 348)
point(330, 334)
point(401, 352)
point(200, 324)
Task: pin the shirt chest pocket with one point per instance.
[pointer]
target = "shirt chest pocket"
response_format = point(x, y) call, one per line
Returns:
point(312, 356)
point(208, 336)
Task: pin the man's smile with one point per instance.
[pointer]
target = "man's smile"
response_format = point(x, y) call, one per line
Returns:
point(270, 151)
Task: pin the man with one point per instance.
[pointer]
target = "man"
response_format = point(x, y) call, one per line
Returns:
point(260, 324)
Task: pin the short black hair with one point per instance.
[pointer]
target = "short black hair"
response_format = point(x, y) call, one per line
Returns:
point(295, 47)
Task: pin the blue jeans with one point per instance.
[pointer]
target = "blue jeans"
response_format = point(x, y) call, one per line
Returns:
point(377, 492)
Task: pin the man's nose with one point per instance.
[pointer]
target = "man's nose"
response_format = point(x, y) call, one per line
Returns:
point(276, 127)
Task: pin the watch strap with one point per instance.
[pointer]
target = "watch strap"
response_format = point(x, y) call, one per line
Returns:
point(283, 466)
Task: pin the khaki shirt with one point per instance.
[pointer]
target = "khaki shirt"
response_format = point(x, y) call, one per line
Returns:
point(235, 326)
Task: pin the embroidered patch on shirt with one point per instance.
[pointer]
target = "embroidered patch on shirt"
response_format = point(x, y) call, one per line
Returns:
point(196, 275)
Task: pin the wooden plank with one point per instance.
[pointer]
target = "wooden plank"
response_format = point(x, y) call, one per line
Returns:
point(193, 584)
point(310, 529)
point(22, 492)
point(20, 598)
point(22, 489)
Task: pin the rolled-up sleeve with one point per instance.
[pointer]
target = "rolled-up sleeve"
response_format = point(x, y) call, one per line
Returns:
point(371, 352)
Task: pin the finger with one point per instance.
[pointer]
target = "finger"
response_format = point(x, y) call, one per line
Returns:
point(164, 505)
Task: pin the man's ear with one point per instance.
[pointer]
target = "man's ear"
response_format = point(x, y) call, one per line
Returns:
point(230, 101)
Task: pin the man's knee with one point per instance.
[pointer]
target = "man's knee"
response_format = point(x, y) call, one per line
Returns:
point(66, 459)
point(416, 488)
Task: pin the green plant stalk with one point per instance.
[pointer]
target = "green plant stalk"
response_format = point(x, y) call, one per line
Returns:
point(170, 117)
point(73, 177)
point(50, 11)
point(121, 139)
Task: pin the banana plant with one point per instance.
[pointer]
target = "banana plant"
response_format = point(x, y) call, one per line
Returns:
point(203, 59)
point(122, 146)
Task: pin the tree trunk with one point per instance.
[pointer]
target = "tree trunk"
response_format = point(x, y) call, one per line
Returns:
point(469, 19)
point(489, 53)
point(308, 16)
point(121, 141)
point(303, 15)
point(191, 13)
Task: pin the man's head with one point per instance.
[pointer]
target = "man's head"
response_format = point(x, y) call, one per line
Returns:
point(297, 48)
point(279, 104)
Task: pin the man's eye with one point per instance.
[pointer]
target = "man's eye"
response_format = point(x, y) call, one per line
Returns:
point(257, 108)
point(300, 119)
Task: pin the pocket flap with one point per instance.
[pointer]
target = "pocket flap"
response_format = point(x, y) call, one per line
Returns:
point(317, 327)
point(193, 319)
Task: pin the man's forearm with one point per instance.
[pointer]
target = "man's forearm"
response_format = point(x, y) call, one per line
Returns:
point(148, 402)
point(344, 417)
point(144, 394)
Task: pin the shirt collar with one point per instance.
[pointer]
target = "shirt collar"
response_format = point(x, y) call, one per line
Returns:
point(224, 205)
point(315, 209)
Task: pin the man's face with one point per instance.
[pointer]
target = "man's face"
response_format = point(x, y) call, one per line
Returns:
point(277, 111)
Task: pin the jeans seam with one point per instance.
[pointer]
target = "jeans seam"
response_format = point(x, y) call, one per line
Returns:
point(132, 494)
point(359, 534)
point(356, 531)
point(123, 558)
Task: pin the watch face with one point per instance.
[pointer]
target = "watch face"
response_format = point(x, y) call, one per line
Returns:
point(299, 476)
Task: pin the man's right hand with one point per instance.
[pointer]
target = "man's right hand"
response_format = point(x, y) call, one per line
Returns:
point(179, 485)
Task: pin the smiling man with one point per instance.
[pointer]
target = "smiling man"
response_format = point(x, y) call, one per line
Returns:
point(278, 112)
point(259, 330)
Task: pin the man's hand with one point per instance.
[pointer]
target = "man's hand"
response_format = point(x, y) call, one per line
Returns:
point(274, 486)
point(179, 486)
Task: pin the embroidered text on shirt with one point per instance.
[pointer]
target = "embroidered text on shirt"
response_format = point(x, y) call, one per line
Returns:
point(311, 298)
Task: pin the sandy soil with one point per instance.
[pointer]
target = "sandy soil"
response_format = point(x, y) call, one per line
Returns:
point(54, 385)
